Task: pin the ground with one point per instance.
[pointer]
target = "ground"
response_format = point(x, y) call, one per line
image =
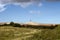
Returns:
point(17, 33)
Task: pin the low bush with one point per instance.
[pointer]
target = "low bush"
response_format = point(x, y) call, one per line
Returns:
point(17, 25)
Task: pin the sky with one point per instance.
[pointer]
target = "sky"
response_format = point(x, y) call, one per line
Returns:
point(25, 10)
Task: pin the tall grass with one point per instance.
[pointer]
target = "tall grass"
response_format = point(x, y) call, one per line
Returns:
point(16, 33)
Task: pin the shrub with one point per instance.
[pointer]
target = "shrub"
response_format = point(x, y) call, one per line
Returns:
point(17, 25)
point(11, 23)
point(5, 24)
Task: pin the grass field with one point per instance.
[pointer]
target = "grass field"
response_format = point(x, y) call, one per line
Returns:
point(17, 33)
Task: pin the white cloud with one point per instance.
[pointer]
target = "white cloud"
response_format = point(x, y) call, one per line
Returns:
point(40, 4)
point(2, 7)
point(22, 3)
point(34, 12)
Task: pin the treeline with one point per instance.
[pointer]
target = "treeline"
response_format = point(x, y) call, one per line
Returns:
point(28, 26)
point(11, 24)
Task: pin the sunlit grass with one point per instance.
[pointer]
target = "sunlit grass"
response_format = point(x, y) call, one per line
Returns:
point(17, 33)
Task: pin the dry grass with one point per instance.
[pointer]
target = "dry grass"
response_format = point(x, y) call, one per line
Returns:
point(16, 33)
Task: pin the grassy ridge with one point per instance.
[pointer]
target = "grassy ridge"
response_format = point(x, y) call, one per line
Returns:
point(16, 33)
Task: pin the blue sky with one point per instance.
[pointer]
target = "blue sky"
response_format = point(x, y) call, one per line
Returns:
point(46, 12)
